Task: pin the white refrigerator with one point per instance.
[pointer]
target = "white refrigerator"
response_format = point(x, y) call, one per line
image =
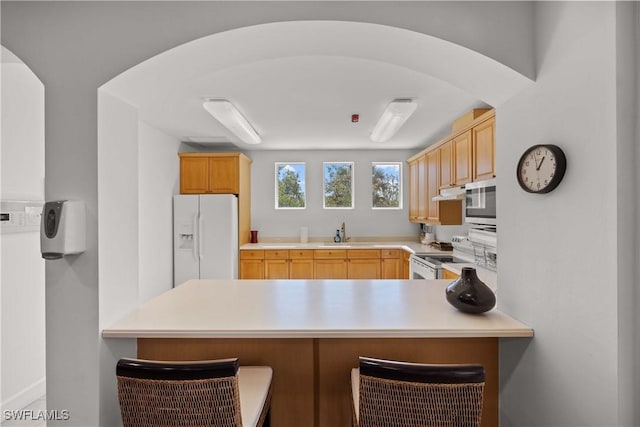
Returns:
point(205, 229)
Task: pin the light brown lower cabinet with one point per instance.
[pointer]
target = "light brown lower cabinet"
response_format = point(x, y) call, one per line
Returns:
point(406, 271)
point(324, 264)
point(446, 274)
point(330, 264)
point(363, 264)
point(301, 264)
point(276, 264)
point(252, 264)
point(391, 264)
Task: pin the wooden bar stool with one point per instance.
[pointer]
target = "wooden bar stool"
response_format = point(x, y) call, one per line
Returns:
point(401, 394)
point(210, 393)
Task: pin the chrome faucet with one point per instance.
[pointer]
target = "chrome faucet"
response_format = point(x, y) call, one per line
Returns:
point(343, 232)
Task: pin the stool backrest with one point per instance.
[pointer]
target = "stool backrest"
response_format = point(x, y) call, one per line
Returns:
point(198, 393)
point(406, 394)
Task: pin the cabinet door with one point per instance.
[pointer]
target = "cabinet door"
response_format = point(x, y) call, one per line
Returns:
point(414, 187)
point(301, 269)
point(276, 269)
point(484, 150)
point(433, 167)
point(422, 188)
point(391, 264)
point(194, 178)
point(363, 269)
point(251, 269)
point(406, 271)
point(462, 158)
point(446, 165)
point(223, 175)
point(391, 268)
point(446, 274)
point(330, 269)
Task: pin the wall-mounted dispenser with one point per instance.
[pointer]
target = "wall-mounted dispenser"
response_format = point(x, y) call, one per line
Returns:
point(63, 229)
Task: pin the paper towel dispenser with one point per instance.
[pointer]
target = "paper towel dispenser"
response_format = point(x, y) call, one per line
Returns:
point(63, 229)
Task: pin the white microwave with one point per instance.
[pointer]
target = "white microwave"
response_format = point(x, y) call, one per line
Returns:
point(480, 202)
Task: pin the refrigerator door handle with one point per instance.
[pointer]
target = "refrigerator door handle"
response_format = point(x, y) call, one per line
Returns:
point(195, 234)
point(200, 235)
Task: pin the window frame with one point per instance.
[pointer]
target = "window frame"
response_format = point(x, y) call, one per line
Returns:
point(400, 186)
point(324, 184)
point(277, 185)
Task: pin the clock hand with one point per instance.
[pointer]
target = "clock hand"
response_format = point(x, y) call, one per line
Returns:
point(535, 159)
point(538, 167)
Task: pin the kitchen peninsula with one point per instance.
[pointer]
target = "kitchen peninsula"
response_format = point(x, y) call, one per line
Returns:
point(311, 333)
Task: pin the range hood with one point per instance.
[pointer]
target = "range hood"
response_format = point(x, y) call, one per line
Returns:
point(453, 193)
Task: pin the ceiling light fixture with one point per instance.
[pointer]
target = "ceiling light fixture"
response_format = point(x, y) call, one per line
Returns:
point(392, 119)
point(229, 117)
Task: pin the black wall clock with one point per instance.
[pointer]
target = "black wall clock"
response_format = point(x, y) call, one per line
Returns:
point(541, 168)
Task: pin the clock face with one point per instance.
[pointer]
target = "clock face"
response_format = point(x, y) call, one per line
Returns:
point(541, 168)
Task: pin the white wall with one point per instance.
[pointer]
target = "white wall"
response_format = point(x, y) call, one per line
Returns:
point(542, 279)
point(22, 299)
point(636, 159)
point(138, 173)
point(159, 180)
point(362, 221)
point(559, 252)
point(118, 270)
point(627, 141)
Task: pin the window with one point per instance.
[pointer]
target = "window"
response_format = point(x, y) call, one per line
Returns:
point(386, 183)
point(338, 185)
point(290, 186)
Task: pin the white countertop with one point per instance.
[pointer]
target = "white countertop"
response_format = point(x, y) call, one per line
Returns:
point(310, 309)
point(412, 247)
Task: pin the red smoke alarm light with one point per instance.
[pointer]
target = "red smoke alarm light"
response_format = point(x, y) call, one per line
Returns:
point(355, 118)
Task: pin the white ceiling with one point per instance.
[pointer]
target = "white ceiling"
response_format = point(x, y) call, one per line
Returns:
point(298, 83)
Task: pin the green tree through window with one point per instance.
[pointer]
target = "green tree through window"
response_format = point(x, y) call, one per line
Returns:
point(386, 185)
point(290, 183)
point(338, 185)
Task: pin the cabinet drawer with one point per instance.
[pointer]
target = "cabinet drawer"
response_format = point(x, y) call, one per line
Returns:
point(363, 253)
point(279, 254)
point(301, 254)
point(391, 253)
point(330, 253)
point(253, 254)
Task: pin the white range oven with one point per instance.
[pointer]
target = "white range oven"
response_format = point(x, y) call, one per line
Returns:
point(429, 266)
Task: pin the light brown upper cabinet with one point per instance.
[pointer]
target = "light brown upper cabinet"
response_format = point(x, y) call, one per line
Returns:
point(466, 155)
point(484, 150)
point(433, 184)
point(212, 173)
point(462, 154)
point(423, 185)
point(447, 165)
point(220, 173)
point(414, 188)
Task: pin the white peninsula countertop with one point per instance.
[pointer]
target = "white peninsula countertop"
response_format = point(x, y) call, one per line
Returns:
point(310, 309)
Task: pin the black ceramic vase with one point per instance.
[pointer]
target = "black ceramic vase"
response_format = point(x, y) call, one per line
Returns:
point(469, 294)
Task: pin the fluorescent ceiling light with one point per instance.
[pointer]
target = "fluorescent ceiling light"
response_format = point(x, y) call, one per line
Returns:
point(229, 117)
point(394, 116)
